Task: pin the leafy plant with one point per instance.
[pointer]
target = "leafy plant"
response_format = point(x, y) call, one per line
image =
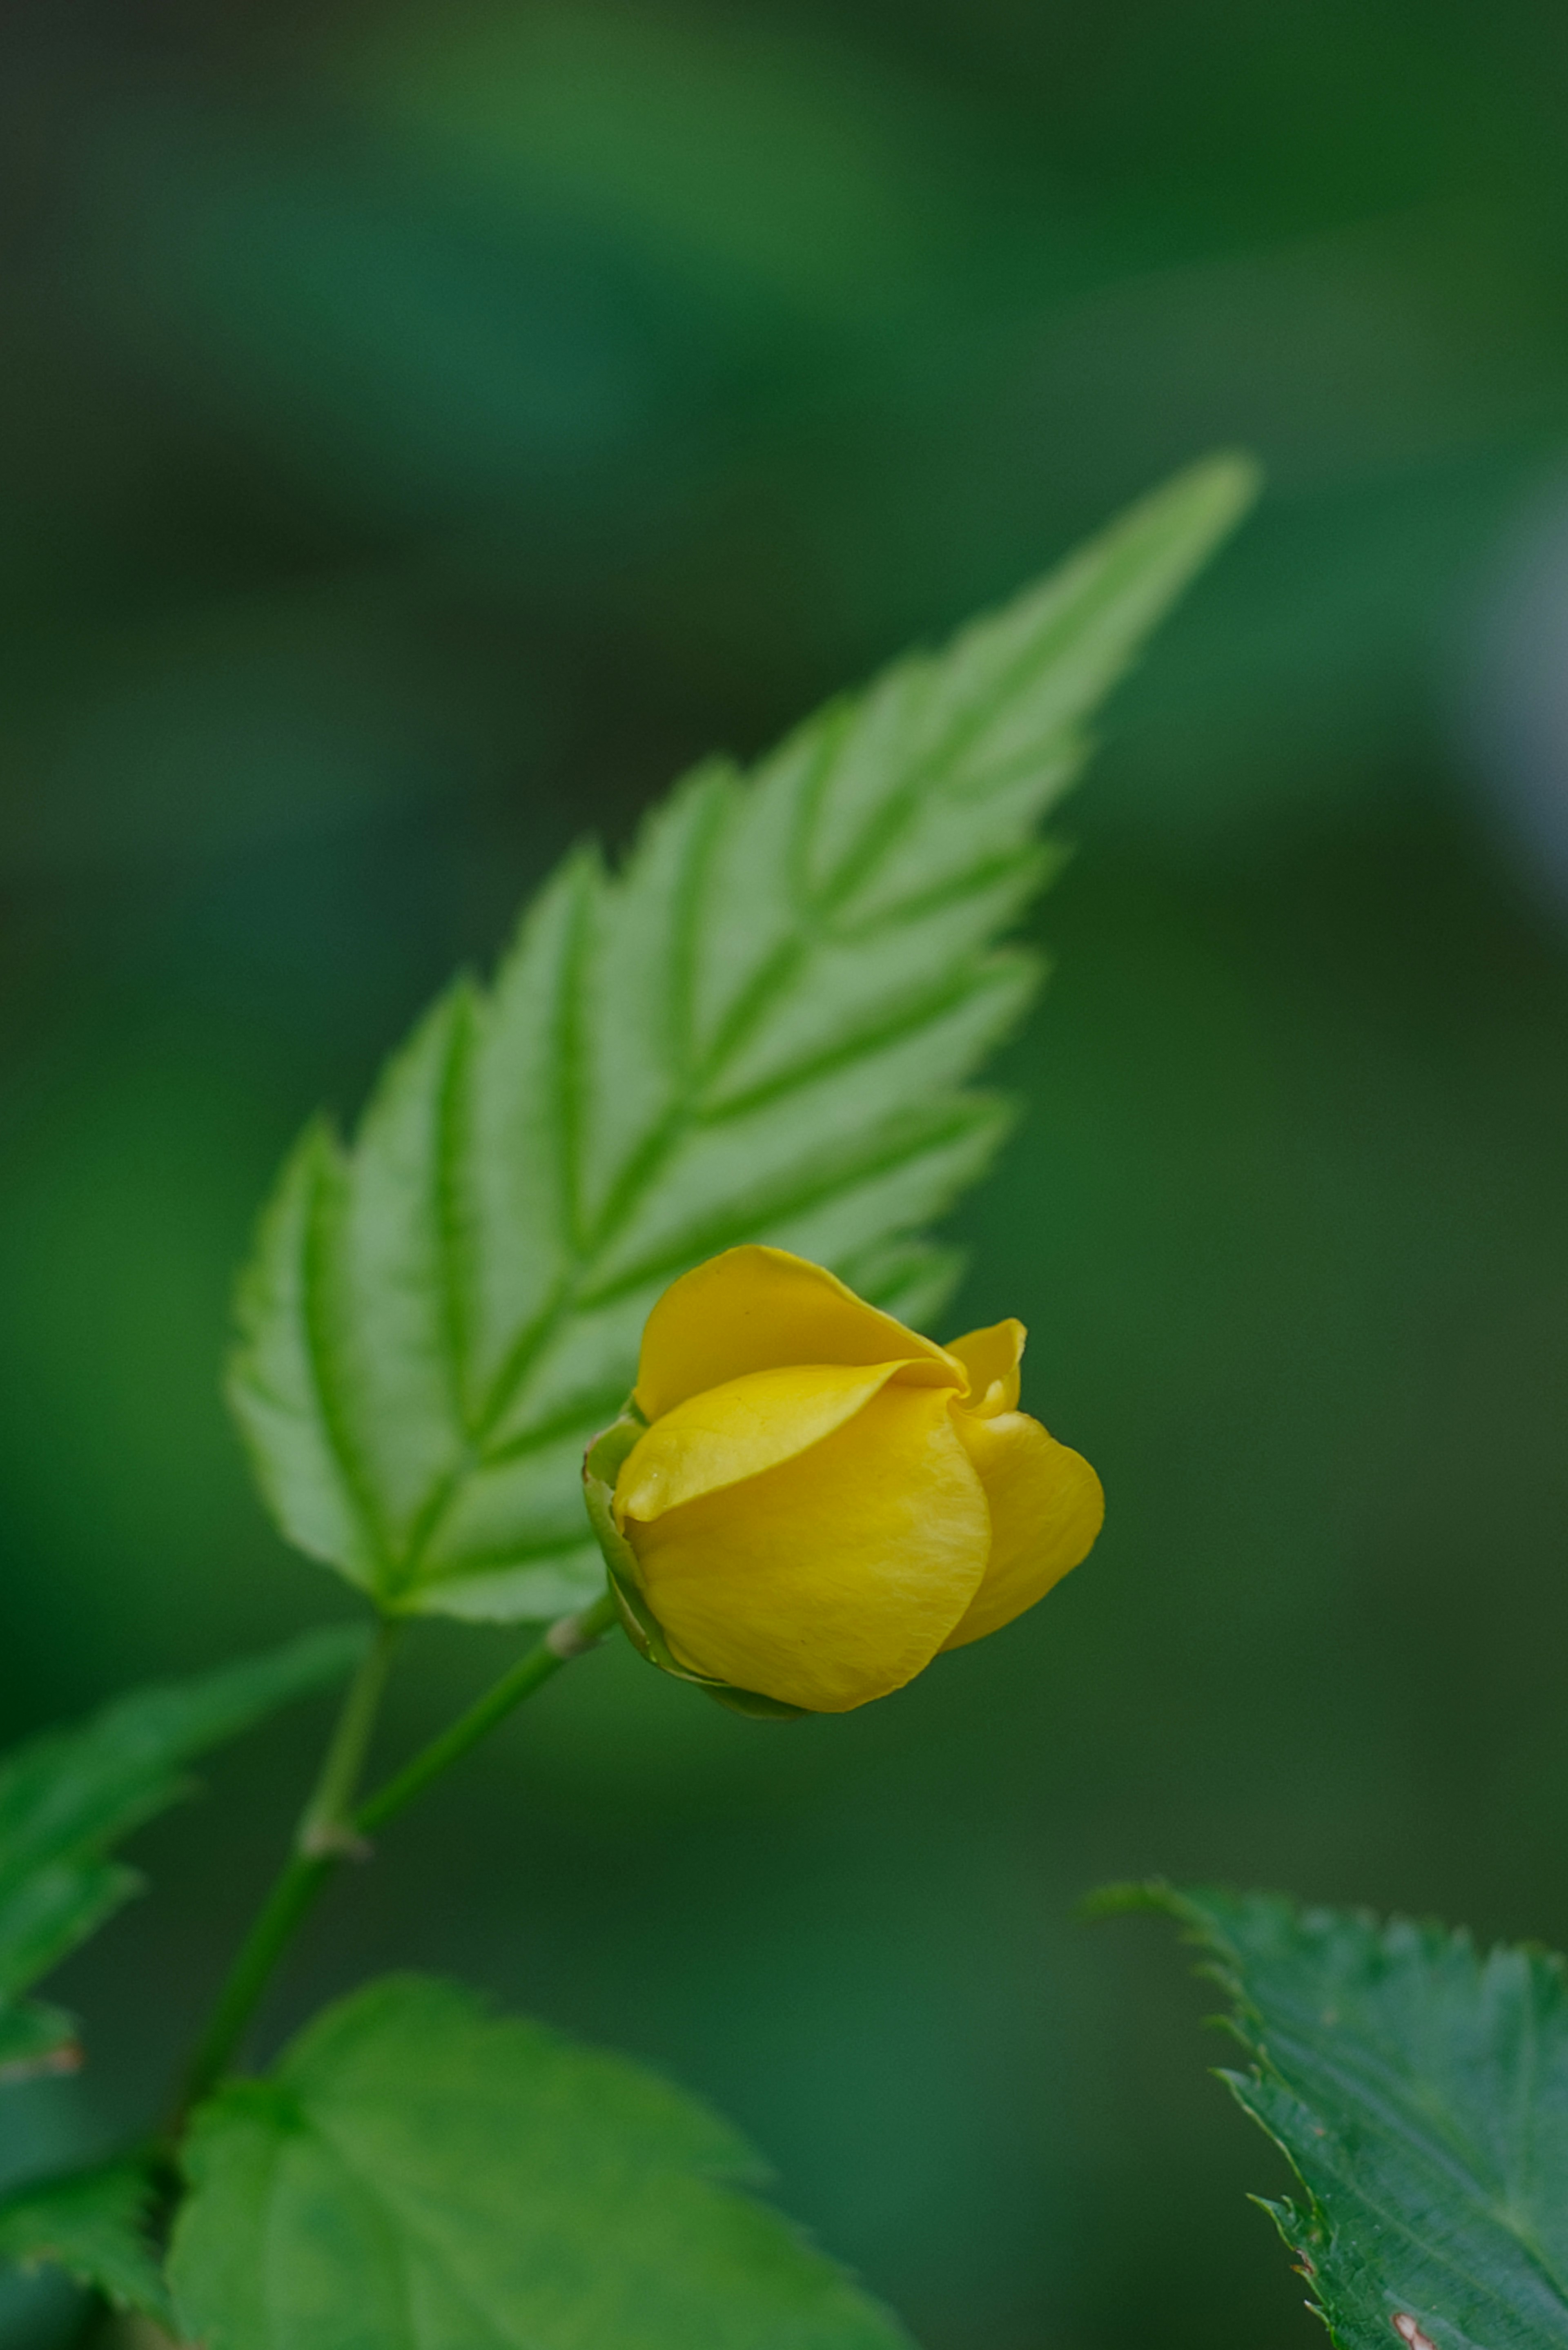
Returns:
point(761, 1029)
point(1419, 2091)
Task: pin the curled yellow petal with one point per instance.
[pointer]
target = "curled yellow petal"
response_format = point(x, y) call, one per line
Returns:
point(992, 1358)
point(835, 1576)
point(739, 1430)
point(761, 1309)
point(1046, 1507)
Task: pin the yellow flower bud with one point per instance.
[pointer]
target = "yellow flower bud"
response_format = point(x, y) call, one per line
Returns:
point(807, 1501)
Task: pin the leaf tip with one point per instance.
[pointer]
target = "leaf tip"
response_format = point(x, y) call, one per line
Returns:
point(1216, 491)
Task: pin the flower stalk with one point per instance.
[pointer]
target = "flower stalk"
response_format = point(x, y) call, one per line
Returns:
point(333, 1829)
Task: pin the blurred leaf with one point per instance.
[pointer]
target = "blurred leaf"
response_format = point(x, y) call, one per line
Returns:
point(1420, 2093)
point(389, 349)
point(191, 734)
point(771, 171)
point(415, 2171)
point(760, 1030)
point(92, 2225)
point(68, 1797)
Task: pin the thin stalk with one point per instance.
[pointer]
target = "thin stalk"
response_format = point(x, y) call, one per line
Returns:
point(324, 1835)
point(330, 1831)
point(282, 1914)
point(568, 1638)
point(325, 1827)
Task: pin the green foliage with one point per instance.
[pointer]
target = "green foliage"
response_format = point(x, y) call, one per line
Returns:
point(68, 1797)
point(761, 1029)
point(416, 2171)
point(92, 2225)
point(1420, 2091)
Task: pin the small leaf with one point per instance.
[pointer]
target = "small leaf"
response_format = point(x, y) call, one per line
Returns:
point(1421, 2092)
point(67, 1797)
point(92, 2225)
point(415, 2171)
point(761, 1029)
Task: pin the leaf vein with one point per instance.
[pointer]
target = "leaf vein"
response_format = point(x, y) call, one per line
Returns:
point(316, 1284)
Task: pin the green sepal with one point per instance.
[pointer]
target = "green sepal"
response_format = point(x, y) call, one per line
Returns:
point(602, 1464)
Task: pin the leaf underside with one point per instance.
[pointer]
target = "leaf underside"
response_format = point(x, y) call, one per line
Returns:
point(415, 2170)
point(68, 1797)
point(760, 1029)
point(1421, 2092)
point(91, 2225)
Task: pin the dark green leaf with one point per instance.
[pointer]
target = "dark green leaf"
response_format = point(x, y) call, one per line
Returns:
point(92, 2225)
point(1420, 2091)
point(416, 2172)
point(761, 1029)
point(68, 1797)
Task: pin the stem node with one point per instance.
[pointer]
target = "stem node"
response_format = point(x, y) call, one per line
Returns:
point(335, 1828)
point(334, 1840)
point(569, 1637)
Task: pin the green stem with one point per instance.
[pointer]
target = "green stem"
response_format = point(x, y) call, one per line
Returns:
point(326, 1828)
point(281, 1914)
point(324, 1835)
point(568, 1638)
point(329, 1833)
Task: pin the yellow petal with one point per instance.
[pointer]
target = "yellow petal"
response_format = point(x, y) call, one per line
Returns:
point(835, 1576)
point(761, 1309)
point(1046, 1507)
point(992, 1358)
point(739, 1430)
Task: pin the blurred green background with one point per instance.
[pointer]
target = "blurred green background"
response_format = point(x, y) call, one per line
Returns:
point(423, 432)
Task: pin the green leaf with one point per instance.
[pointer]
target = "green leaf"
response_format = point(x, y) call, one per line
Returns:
point(760, 1029)
point(92, 2225)
point(1421, 2092)
point(68, 1797)
point(414, 2171)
